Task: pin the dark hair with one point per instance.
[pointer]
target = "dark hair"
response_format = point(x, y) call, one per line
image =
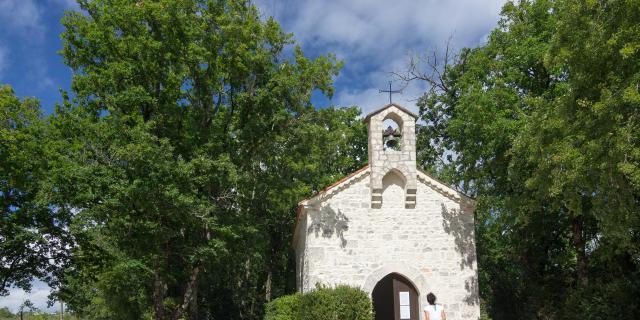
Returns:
point(431, 298)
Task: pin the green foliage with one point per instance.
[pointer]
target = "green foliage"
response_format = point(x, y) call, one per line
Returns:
point(124, 288)
point(6, 314)
point(543, 120)
point(31, 238)
point(166, 187)
point(283, 308)
point(609, 299)
point(179, 161)
point(342, 302)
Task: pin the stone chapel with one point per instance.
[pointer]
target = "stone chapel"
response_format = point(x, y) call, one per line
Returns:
point(391, 230)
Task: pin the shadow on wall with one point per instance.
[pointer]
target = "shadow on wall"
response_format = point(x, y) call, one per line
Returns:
point(327, 222)
point(473, 295)
point(460, 225)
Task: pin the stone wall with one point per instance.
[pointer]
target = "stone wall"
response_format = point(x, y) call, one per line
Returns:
point(342, 240)
point(383, 161)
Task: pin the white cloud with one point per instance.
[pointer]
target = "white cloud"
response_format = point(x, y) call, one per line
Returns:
point(370, 99)
point(377, 27)
point(374, 37)
point(38, 296)
point(23, 16)
point(368, 96)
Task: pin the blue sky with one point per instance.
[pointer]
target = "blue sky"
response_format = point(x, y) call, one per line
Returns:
point(29, 42)
point(372, 37)
point(375, 37)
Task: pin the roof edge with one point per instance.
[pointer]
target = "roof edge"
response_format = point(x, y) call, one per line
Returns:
point(303, 203)
point(407, 111)
point(334, 185)
point(444, 185)
point(428, 179)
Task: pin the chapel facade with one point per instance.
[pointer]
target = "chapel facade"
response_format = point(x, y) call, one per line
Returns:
point(391, 230)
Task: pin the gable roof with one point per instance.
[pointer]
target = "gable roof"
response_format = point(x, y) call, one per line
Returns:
point(423, 177)
point(335, 185)
point(405, 110)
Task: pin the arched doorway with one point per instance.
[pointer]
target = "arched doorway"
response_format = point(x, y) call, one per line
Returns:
point(395, 298)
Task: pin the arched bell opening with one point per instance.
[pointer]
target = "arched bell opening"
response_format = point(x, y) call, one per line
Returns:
point(395, 298)
point(392, 132)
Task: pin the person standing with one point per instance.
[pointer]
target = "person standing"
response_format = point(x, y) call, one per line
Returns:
point(434, 311)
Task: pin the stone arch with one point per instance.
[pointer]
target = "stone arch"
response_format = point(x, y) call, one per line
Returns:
point(414, 276)
point(398, 175)
point(387, 302)
point(393, 180)
point(395, 174)
point(395, 117)
point(392, 133)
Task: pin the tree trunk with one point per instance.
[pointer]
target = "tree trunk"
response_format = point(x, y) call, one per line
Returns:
point(579, 243)
point(267, 285)
point(269, 282)
point(244, 281)
point(189, 293)
point(193, 307)
point(158, 297)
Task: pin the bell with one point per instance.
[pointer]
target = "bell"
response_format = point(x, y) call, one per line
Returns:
point(392, 144)
point(389, 132)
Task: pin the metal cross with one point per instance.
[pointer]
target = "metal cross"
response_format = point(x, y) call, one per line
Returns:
point(390, 91)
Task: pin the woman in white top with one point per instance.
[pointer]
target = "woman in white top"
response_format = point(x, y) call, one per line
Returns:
point(434, 311)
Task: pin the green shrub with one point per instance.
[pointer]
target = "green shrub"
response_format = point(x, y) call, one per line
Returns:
point(283, 308)
point(360, 306)
point(340, 303)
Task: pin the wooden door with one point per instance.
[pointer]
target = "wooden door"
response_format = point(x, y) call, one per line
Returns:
point(395, 298)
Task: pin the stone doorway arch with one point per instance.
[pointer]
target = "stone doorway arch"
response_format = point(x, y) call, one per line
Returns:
point(395, 298)
point(413, 276)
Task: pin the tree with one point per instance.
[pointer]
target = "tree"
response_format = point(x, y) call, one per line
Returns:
point(190, 138)
point(31, 237)
point(27, 306)
point(318, 149)
point(6, 314)
point(543, 121)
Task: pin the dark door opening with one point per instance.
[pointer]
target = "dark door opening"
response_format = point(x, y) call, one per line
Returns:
point(395, 298)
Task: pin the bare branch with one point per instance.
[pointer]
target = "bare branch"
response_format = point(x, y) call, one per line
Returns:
point(430, 67)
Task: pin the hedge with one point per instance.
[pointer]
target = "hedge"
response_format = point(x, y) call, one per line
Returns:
point(283, 308)
point(339, 303)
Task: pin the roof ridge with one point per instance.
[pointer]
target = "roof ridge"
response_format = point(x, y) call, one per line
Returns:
point(393, 104)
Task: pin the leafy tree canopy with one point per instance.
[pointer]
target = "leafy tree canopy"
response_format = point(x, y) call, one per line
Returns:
point(32, 241)
point(543, 121)
point(179, 161)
